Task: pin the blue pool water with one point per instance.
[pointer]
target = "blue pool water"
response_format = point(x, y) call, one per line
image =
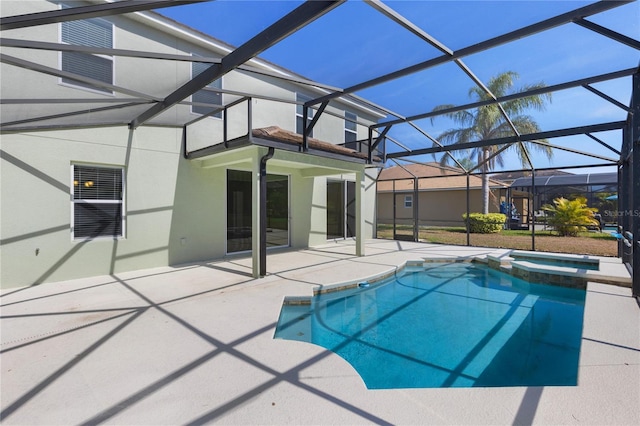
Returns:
point(556, 262)
point(449, 325)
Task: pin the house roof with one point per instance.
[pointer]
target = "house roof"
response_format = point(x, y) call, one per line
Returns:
point(569, 180)
point(409, 171)
point(511, 176)
point(431, 176)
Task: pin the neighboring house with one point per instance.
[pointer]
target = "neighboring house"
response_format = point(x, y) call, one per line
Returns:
point(441, 195)
point(85, 191)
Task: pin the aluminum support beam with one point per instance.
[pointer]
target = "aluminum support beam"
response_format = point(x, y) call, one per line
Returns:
point(395, 229)
point(532, 205)
point(7, 59)
point(72, 114)
point(493, 155)
point(582, 166)
point(380, 138)
point(621, 177)
point(547, 24)
point(547, 89)
point(92, 50)
point(616, 125)
point(576, 151)
point(468, 213)
point(315, 118)
point(432, 139)
point(360, 184)
point(601, 142)
point(61, 47)
point(287, 25)
point(408, 25)
point(634, 122)
point(625, 193)
point(70, 101)
point(87, 12)
point(401, 20)
point(263, 211)
point(416, 211)
point(607, 97)
point(83, 125)
point(609, 33)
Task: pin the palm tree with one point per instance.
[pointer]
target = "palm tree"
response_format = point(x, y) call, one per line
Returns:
point(488, 122)
point(466, 162)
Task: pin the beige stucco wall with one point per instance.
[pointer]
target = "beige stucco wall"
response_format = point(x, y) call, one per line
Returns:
point(36, 202)
point(174, 212)
point(175, 208)
point(435, 208)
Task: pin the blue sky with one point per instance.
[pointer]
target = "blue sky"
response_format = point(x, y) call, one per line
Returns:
point(354, 43)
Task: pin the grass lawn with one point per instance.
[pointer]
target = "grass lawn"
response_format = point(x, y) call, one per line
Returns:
point(591, 243)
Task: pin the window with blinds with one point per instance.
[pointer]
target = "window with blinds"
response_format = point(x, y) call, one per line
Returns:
point(205, 96)
point(97, 202)
point(93, 33)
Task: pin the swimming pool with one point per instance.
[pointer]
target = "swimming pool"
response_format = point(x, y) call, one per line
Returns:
point(447, 325)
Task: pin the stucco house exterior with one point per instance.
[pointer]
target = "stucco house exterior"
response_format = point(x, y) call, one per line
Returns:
point(441, 195)
point(87, 191)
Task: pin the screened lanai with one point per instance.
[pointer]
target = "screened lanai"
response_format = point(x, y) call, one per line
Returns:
point(599, 189)
point(419, 66)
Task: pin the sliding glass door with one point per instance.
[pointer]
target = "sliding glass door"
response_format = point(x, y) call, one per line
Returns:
point(239, 204)
point(341, 209)
point(277, 210)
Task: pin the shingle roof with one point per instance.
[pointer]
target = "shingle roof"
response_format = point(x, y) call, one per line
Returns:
point(436, 178)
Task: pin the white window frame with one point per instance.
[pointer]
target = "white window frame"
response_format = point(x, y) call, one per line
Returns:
point(408, 201)
point(301, 97)
point(345, 202)
point(350, 120)
point(123, 215)
point(218, 115)
point(111, 58)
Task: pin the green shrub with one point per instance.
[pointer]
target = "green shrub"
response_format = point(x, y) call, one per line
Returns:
point(485, 223)
point(569, 217)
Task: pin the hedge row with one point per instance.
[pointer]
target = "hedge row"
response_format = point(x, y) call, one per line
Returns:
point(485, 223)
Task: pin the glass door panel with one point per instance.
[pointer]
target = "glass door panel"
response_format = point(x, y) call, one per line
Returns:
point(277, 210)
point(239, 226)
point(238, 211)
point(335, 209)
point(341, 209)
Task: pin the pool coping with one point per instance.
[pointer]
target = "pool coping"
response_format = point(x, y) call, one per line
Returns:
point(404, 267)
point(564, 276)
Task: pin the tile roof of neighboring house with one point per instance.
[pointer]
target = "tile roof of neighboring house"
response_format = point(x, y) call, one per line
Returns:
point(438, 178)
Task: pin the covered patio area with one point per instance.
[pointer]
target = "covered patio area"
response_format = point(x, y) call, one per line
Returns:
point(87, 351)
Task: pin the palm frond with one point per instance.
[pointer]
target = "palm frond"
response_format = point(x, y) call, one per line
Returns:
point(488, 122)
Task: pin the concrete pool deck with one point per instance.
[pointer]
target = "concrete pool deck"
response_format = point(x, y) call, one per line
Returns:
point(194, 344)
